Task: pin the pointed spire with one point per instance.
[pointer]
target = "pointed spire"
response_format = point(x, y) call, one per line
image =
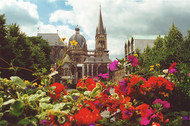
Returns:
point(100, 27)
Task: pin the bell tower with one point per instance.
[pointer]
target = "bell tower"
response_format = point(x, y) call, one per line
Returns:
point(101, 37)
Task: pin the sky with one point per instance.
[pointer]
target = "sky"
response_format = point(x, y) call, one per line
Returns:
point(122, 18)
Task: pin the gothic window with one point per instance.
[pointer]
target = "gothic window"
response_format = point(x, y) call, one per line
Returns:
point(95, 70)
point(103, 43)
point(77, 59)
point(90, 69)
point(85, 70)
point(102, 68)
point(65, 72)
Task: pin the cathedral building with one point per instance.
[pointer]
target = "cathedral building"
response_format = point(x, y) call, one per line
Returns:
point(81, 62)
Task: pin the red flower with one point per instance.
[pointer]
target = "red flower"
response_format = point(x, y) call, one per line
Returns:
point(60, 89)
point(158, 82)
point(86, 116)
point(127, 113)
point(88, 83)
point(166, 121)
point(142, 109)
point(155, 124)
point(67, 124)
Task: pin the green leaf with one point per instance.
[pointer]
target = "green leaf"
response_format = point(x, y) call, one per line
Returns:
point(18, 81)
point(33, 98)
point(96, 90)
point(46, 106)
point(184, 113)
point(58, 106)
point(1, 114)
point(46, 99)
point(61, 119)
point(88, 93)
point(17, 108)
point(75, 94)
point(44, 70)
point(52, 88)
point(23, 122)
point(3, 123)
point(9, 102)
point(54, 73)
point(1, 101)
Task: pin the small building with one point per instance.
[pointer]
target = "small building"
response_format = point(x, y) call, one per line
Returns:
point(139, 42)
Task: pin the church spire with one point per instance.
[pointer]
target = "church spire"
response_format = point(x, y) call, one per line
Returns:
point(100, 28)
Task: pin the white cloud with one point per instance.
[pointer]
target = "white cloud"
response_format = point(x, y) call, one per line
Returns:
point(63, 16)
point(122, 18)
point(63, 30)
point(19, 12)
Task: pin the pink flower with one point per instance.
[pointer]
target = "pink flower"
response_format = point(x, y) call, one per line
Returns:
point(113, 65)
point(172, 68)
point(145, 120)
point(164, 104)
point(95, 79)
point(188, 74)
point(133, 60)
point(123, 85)
point(104, 76)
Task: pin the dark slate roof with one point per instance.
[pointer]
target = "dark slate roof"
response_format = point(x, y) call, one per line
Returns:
point(78, 38)
point(52, 38)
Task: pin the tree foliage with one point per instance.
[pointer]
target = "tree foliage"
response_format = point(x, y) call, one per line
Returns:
point(166, 50)
point(17, 49)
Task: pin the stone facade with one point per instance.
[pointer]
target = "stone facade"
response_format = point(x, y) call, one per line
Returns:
point(117, 75)
point(81, 61)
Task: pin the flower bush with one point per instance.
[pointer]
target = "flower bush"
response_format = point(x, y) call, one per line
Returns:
point(134, 101)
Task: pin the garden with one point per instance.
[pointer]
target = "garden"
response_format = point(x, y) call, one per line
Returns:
point(155, 101)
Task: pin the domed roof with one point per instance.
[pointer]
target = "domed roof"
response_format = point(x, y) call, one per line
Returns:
point(78, 38)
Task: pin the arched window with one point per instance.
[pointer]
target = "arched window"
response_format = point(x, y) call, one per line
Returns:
point(102, 69)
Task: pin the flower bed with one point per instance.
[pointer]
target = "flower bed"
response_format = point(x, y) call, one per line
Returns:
point(135, 101)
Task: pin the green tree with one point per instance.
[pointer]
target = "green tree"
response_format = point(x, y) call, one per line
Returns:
point(26, 53)
point(165, 50)
point(159, 42)
point(5, 53)
point(184, 52)
point(40, 52)
point(173, 42)
point(3, 31)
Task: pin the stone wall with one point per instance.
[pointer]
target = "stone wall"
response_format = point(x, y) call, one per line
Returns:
point(117, 75)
